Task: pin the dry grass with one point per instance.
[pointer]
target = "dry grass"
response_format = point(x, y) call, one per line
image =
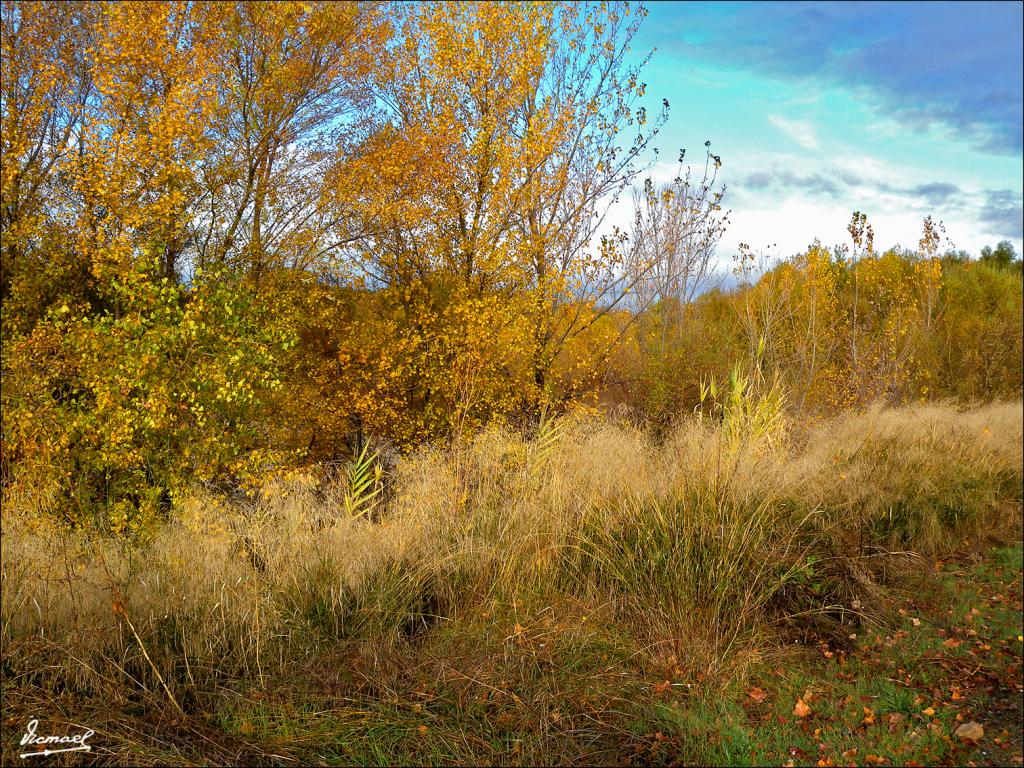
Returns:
point(692, 546)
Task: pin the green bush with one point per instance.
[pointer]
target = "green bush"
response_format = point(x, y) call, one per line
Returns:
point(107, 415)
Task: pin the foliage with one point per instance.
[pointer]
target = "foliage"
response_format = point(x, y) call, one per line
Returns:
point(415, 195)
point(1003, 256)
point(363, 475)
point(122, 410)
point(835, 332)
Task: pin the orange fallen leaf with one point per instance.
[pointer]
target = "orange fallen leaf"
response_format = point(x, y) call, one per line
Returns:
point(422, 729)
point(952, 643)
point(801, 709)
point(928, 712)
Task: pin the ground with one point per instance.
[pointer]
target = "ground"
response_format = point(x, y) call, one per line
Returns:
point(557, 687)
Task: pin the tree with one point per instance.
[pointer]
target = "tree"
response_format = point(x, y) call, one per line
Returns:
point(675, 231)
point(484, 187)
point(45, 90)
point(588, 96)
point(289, 93)
point(1003, 255)
point(121, 384)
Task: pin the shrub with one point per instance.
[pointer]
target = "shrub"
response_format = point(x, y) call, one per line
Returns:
point(107, 415)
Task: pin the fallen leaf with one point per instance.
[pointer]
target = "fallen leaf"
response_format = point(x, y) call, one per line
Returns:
point(801, 709)
point(970, 732)
point(247, 728)
point(928, 712)
point(875, 759)
point(422, 729)
point(952, 643)
point(757, 694)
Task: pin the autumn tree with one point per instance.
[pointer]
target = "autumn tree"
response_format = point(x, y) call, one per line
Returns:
point(590, 98)
point(123, 383)
point(474, 206)
point(676, 229)
point(46, 87)
point(288, 92)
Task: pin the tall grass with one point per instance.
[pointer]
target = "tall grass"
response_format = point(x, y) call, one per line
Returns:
point(692, 546)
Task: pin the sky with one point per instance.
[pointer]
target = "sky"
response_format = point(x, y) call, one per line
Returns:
point(899, 110)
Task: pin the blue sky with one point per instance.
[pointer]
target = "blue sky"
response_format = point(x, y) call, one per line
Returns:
point(899, 110)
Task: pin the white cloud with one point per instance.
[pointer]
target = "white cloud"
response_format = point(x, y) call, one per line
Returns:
point(797, 130)
point(791, 214)
point(791, 224)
